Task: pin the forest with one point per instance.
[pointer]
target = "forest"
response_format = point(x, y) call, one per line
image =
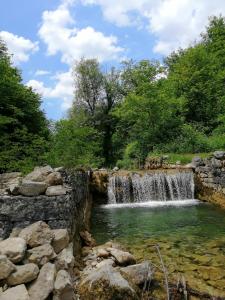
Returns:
point(120, 115)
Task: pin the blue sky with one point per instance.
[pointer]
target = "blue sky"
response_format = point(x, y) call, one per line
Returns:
point(47, 36)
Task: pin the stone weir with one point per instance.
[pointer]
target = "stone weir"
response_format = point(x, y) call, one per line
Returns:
point(58, 197)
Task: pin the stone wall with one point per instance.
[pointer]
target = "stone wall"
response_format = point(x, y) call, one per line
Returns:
point(210, 178)
point(71, 211)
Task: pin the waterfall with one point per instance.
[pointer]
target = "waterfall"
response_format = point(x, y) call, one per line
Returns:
point(159, 186)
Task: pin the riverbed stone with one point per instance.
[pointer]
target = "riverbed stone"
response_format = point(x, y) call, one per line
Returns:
point(63, 288)
point(32, 188)
point(41, 288)
point(139, 273)
point(13, 248)
point(56, 190)
point(37, 234)
point(6, 267)
point(122, 257)
point(41, 255)
point(16, 293)
point(61, 239)
point(23, 274)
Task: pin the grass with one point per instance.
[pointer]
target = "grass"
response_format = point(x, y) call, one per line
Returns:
point(184, 158)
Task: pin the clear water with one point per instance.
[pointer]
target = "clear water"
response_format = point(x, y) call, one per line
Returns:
point(191, 238)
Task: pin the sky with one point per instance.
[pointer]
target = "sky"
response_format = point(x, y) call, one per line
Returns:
point(46, 37)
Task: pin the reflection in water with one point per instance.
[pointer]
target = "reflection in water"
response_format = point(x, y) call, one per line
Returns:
point(191, 239)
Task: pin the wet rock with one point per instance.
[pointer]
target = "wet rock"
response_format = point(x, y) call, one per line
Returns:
point(105, 283)
point(41, 288)
point(139, 273)
point(56, 190)
point(31, 188)
point(23, 274)
point(87, 239)
point(54, 178)
point(41, 255)
point(13, 248)
point(61, 239)
point(39, 174)
point(6, 267)
point(37, 234)
point(122, 258)
point(63, 288)
point(65, 259)
point(16, 293)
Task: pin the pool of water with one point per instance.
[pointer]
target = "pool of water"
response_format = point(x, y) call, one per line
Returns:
point(190, 235)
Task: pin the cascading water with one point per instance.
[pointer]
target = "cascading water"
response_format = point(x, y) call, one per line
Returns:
point(159, 186)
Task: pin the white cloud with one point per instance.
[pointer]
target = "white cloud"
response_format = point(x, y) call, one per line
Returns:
point(59, 34)
point(20, 47)
point(42, 73)
point(175, 23)
point(63, 89)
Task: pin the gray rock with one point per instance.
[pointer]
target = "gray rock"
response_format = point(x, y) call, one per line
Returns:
point(23, 274)
point(13, 248)
point(54, 179)
point(14, 189)
point(61, 239)
point(122, 258)
point(216, 163)
point(56, 190)
point(139, 273)
point(219, 154)
point(32, 188)
point(37, 234)
point(41, 255)
point(63, 288)
point(41, 288)
point(15, 232)
point(16, 293)
point(197, 162)
point(65, 259)
point(6, 267)
point(115, 169)
point(39, 174)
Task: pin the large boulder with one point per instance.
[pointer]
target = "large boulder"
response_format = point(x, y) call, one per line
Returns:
point(61, 239)
point(65, 259)
point(16, 293)
point(123, 258)
point(219, 154)
point(41, 255)
point(56, 190)
point(23, 274)
point(37, 234)
point(39, 174)
point(54, 178)
point(63, 288)
point(87, 239)
point(13, 248)
point(105, 283)
point(6, 267)
point(32, 188)
point(139, 274)
point(41, 288)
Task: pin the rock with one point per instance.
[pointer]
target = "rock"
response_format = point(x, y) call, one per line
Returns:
point(216, 163)
point(106, 262)
point(41, 255)
point(139, 273)
point(56, 190)
point(87, 239)
point(15, 232)
point(59, 169)
point(37, 234)
point(115, 169)
point(6, 267)
point(44, 284)
point(63, 288)
point(54, 178)
point(14, 189)
point(102, 253)
point(105, 283)
point(65, 259)
point(16, 293)
point(32, 188)
point(219, 154)
point(39, 174)
point(13, 248)
point(196, 162)
point(122, 258)
point(23, 274)
point(61, 239)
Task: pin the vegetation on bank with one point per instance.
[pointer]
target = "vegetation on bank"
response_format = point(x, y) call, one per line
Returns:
point(121, 116)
